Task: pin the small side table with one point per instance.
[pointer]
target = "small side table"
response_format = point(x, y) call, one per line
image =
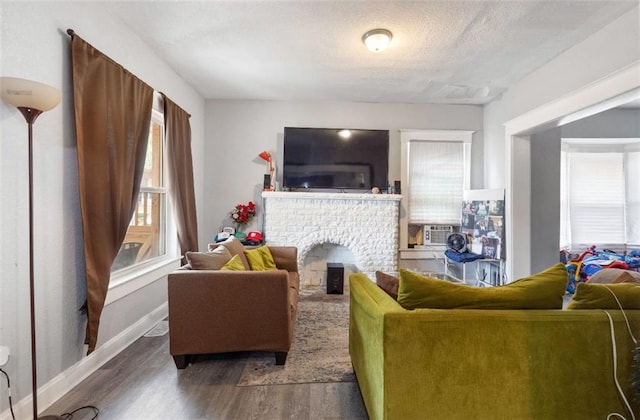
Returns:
point(489, 272)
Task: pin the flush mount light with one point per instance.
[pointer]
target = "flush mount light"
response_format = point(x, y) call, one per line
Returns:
point(377, 40)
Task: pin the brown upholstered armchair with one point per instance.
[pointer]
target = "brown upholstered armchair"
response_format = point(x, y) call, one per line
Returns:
point(213, 311)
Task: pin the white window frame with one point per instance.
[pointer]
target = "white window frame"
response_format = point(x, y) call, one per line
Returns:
point(595, 145)
point(130, 279)
point(406, 136)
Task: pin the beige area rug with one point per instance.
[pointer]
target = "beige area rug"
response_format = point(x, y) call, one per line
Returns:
point(320, 348)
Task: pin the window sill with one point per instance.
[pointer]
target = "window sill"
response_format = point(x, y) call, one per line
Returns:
point(128, 281)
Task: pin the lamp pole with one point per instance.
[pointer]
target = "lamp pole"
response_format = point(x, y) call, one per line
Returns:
point(31, 99)
point(30, 115)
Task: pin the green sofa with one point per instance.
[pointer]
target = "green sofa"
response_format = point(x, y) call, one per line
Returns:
point(486, 364)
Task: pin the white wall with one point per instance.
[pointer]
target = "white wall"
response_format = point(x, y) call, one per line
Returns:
point(615, 123)
point(545, 199)
point(236, 131)
point(35, 46)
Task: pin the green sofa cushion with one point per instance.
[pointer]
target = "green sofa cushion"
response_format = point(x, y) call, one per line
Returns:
point(234, 264)
point(235, 247)
point(260, 259)
point(543, 290)
point(596, 296)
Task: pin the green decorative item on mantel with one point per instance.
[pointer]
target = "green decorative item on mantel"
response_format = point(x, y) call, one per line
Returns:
point(241, 236)
point(241, 215)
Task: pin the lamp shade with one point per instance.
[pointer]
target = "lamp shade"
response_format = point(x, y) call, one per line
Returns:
point(377, 40)
point(266, 156)
point(23, 93)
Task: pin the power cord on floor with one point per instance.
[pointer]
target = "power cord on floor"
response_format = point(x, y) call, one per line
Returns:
point(68, 416)
point(13, 416)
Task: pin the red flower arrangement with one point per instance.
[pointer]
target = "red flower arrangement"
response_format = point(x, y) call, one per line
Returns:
point(243, 213)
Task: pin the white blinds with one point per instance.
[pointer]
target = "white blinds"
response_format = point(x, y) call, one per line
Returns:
point(600, 195)
point(632, 192)
point(436, 181)
point(596, 196)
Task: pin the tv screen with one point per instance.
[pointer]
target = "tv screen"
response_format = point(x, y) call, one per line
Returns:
point(335, 158)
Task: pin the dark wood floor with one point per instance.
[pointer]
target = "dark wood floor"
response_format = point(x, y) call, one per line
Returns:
point(143, 383)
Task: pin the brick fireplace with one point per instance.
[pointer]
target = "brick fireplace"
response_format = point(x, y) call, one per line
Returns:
point(365, 224)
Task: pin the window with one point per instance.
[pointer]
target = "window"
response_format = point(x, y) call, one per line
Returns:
point(436, 181)
point(600, 193)
point(146, 234)
point(437, 167)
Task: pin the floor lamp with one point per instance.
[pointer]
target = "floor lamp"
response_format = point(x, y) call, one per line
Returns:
point(32, 99)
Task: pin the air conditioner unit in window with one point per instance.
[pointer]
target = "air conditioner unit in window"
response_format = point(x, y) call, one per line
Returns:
point(436, 234)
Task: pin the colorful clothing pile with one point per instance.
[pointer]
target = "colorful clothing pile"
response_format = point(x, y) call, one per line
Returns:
point(581, 268)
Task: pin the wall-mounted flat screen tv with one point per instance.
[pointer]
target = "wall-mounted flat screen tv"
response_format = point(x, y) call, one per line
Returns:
point(323, 158)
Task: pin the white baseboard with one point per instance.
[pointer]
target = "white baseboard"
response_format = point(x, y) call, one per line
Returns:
point(65, 381)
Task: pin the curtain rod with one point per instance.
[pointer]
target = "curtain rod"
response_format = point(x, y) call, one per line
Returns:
point(71, 32)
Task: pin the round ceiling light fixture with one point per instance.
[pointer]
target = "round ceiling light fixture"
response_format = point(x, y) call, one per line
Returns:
point(377, 40)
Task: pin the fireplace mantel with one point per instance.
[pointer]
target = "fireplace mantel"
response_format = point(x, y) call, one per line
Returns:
point(330, 196)
point(366, 224)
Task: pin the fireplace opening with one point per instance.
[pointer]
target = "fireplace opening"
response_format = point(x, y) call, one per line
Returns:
point(313, 272)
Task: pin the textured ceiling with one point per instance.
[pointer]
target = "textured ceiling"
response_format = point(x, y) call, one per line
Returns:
point(441, 52)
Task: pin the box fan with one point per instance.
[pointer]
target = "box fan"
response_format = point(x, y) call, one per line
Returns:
point(457, 242)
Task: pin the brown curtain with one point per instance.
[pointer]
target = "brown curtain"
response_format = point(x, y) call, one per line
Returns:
point(180, 175)
point(113, 113)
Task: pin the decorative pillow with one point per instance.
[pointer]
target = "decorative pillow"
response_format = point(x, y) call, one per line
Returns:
point(213, 260)
point(260, 259)
point(234, 264)
point(543, 290)
point(388, 283)
point(612, 275)
point(598, 296)
point(235, 247)
point(628, 277)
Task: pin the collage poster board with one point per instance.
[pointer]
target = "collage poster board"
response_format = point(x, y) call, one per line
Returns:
point(483, 221)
